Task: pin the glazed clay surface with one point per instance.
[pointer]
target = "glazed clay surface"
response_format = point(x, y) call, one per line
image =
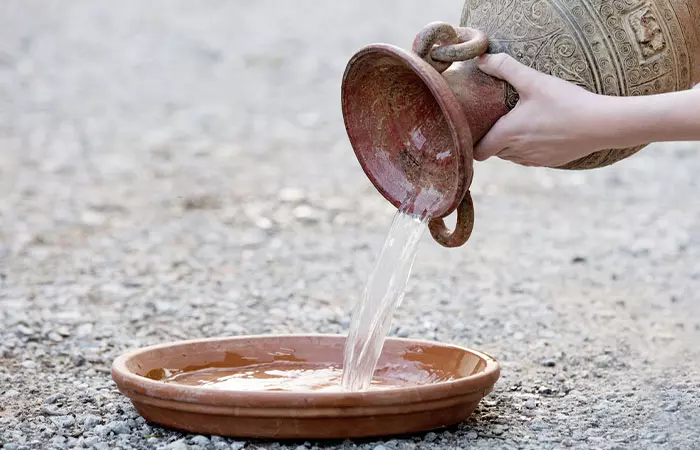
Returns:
point(611, 47)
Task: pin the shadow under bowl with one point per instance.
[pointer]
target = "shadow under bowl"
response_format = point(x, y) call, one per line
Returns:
point(435, 385)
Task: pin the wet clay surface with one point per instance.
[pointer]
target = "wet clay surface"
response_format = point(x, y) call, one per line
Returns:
point(290, 377)
point(294, 375)
point(300, 365)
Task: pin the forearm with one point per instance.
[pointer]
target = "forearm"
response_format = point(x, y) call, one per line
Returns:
point(630, 121)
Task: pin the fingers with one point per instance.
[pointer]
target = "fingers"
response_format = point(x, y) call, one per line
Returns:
point(494, 141)
point(505, 67)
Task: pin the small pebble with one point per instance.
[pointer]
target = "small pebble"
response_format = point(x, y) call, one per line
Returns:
point(264, 223)
point(530, 404)
point(549, 363)
point(119, 427)
point(53, 398)
point(660, 439)
point(674, 406)
point(200, 440)
point(63, 421)
point(177, 445)
point(53, 412)
point(291, 195)
point(101, 431)
point(578, 436)
point(537, 425)
point(24, 331)
point(430, 437)
point(545, 390)
point(499, 429)
point(11, 393)
point(308, 214)
point(380, 447)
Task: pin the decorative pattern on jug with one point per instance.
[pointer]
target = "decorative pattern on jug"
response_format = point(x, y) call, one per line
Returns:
point(611, 47)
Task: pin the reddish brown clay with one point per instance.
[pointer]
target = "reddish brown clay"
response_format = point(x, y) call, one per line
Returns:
point(413, 130)
point(437, 403)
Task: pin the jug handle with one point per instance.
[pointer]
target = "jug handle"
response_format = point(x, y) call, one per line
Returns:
point(463, 229)
point(440, 44)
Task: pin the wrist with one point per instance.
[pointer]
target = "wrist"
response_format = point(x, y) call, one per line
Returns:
point(630, 121)
point(621, 122)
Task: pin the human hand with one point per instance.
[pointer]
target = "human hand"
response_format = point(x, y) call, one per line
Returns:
point(555, 122)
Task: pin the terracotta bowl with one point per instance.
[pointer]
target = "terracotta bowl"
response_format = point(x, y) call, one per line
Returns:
point(436, 385)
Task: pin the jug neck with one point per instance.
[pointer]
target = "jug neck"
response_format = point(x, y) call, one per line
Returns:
point(482, 98)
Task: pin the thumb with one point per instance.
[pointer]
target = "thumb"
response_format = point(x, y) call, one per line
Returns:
point(507, 68)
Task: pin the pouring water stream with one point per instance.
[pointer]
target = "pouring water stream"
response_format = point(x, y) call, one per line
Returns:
point(384, 291)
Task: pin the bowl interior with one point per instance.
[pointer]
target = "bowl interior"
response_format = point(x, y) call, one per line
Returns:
point(412, 362)
point(401, 133)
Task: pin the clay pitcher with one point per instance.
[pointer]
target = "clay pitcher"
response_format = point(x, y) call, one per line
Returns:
point(413, 117)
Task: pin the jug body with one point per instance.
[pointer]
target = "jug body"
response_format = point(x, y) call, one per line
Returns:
point(611, 47)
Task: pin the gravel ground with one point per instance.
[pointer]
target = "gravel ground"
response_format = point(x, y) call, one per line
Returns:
point(176, 169)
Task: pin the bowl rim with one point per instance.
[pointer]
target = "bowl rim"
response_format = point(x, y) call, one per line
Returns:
point(128, 381)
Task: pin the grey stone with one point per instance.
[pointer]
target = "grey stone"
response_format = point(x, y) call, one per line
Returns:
point(530, 404)
point(53, 398)
point(119, 427)
point(291, 195)
point(101, 430)
point(499, 429)
point(28, 364)
point(200, 440)
point(537, 425)
point(661, 438)
point(63, 421)
point(430, 437)
point(89, 421)
point(178, 445)
point(579, 436)
point(58, 440)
